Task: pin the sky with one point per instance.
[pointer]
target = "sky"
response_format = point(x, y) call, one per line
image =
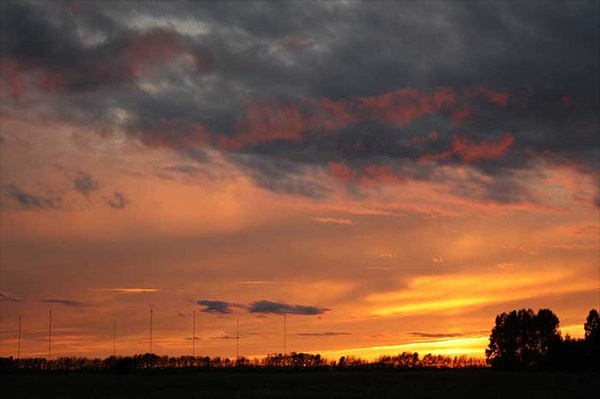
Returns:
point(388, 175)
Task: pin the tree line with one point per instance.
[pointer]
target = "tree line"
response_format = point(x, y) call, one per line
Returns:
point(292, 361)
point(520, 339)
point(523, 339)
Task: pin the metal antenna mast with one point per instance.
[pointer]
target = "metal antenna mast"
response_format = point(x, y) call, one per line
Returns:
point(237, 341)
point(284, 334)
point(50, 335)
point(114, 338)
point(151, 330)
point(19, 341)
point(194, 334)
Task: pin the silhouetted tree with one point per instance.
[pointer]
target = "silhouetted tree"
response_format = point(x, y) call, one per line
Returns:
point(523, 339)
point(592, 341)
point(592, 325)
point(569, 355)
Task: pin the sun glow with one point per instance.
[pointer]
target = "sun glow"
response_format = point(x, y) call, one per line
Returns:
point(469, 346)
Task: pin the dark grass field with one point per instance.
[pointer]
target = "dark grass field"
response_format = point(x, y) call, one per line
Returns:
point(316, 384)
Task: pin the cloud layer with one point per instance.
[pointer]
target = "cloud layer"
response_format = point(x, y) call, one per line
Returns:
point(387, 98)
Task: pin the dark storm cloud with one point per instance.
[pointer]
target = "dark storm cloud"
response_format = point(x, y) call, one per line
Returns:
point(118, 200)
point(15, 196)
point(85, 183)
point(283, 87)
point(65, 302)
point(280, 175)
point(284, 308)
point(218, 307)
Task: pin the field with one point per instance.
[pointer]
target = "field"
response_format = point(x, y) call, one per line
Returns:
point(315, 384)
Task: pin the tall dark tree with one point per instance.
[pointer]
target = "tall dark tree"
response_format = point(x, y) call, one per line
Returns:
point(592, 326)
point(592, 341)
point(523, 339)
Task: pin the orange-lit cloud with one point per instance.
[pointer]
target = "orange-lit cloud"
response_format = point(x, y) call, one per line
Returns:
point(471, 152)
point(321, 219)
point(459, 293)
point(131, 290)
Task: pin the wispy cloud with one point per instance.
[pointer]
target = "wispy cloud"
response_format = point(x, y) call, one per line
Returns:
point(505, 266)
point(224, 336)
point(323, 334)
point(458, 293)
point(65, 302)
point(132, 290)
point(332, 220)
point(260, 282)
point(28, 201)
point(435, 335)
point(568, 246)
point(8, 297)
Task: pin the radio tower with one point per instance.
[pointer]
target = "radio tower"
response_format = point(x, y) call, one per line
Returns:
point(19, 341)
point(114, 338)
point(151, 330)
point(284, 335)
point(237, 341)
point(50, 335)
point(194, 334)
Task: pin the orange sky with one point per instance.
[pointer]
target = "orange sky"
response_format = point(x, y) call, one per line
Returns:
point(390, 175)
point(405, 266)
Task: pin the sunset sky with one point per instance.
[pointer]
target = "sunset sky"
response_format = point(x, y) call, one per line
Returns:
point(390, 175)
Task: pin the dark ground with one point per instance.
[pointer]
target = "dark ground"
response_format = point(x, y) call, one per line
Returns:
point(315, 384)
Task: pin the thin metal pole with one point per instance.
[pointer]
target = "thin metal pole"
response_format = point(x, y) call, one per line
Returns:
point(50, 335)
point(0, 328)
point(150, 330)
point(194, 334)
point(19, 341)
point(284, 335)
point(114, 338)
point(237, 341)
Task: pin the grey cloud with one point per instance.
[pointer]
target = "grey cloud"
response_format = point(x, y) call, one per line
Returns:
point(223, 337)
point(29, 201)
point(85, 183)
point(281, 175)
point(118, 200)
point(8, 297)
point(287, 52)
point(266, 307)
point(218, 307)
point(65, 302)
